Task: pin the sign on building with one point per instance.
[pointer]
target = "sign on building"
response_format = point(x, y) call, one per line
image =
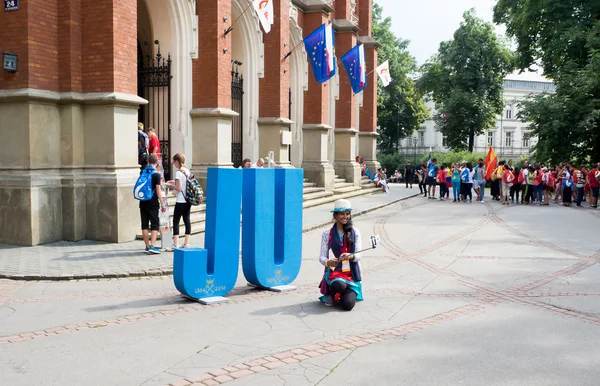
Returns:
point(11, 5)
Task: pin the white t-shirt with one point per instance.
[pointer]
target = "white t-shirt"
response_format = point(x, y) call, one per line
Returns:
point(181, 195)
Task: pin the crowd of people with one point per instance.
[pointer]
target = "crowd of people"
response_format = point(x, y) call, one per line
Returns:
point(529, 185)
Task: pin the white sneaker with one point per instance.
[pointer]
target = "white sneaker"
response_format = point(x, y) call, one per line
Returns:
point(172, 248)
point(185, 246)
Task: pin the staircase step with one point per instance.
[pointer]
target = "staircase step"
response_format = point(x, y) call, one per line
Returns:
point(339, 185)
point(312, 190)
point(309, 184)
point(317, 195)
point(339, 180)
point(345, 189)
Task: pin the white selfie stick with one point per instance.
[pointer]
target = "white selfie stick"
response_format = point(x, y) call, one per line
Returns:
point(374, 243)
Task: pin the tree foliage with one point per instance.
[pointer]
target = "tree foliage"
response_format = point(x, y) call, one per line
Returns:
point(465, 80)
point(400, 109)
point(563, 37)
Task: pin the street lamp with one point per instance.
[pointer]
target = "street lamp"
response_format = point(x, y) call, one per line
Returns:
point(415, 150)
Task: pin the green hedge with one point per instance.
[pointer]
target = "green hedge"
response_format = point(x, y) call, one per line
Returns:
point(397, 161)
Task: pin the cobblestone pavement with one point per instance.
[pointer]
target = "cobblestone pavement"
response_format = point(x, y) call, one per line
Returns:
point(457, 294)
point(90, 259)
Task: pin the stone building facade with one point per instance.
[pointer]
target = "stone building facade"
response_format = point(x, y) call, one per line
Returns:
point(204, 73)
point(510, 138)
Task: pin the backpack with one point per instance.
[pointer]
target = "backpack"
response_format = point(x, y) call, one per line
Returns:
point(193, 191)
point(143, 189)
point(520, 179)
point(508, 177)
point(142, 150)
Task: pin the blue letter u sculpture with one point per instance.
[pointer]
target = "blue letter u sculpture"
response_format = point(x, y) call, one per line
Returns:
point(212, 271)
point(272, 226)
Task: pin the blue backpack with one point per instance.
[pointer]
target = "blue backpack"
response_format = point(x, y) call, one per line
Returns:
point(143, 189)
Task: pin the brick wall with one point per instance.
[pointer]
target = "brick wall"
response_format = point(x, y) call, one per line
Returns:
point(316, 107)
point(368, 113)
point(345, 108)
point(69, 42)
point(212, 71)
point(109, 54)
point(274, 87)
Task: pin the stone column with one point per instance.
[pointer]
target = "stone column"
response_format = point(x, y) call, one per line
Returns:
point(345, 110)
point(30, 182)
point(274, 123)
point(110, 114)
point(211, 73)
point(368, 113)
point(315, 129)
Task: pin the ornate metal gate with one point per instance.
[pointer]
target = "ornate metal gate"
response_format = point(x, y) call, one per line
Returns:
point(154, 85)
point(237, 99)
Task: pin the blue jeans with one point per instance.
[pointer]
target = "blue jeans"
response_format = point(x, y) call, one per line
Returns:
point(481, 190)
point(537, 192)
point(456, 189)
point(580, 192)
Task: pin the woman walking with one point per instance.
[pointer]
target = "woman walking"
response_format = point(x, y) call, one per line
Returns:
point(182, 207)
point(341, 280)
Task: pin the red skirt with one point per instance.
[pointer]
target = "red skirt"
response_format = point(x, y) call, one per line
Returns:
point(340, 275)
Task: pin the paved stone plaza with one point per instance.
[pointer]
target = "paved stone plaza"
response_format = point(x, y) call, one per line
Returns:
point(457, 294)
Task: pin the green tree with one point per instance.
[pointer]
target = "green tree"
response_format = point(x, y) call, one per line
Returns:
point(465, 80)
point(563, 37)
point(400, 106)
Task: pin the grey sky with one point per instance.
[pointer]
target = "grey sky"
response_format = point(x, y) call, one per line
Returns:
point(426, 23)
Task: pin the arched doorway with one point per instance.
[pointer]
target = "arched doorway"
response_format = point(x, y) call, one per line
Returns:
point(247, 64)
point(298, 85)
point(173, 24)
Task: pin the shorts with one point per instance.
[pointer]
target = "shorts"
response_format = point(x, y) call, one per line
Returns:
point(149, 216)
point(506, 188)
point(431, 181)
point(595, 191)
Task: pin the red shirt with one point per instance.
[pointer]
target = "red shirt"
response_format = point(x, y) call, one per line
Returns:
point(154, 144)
point(592, 177)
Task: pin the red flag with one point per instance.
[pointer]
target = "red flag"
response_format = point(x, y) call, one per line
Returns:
point(491, 161)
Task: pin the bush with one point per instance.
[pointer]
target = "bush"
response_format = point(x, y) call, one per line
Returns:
point(391, 162)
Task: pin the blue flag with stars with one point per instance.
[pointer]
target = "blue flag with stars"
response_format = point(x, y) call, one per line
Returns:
point(321, 52)
point(354, 62)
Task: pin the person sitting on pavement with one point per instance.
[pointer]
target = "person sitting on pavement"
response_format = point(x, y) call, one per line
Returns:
point(380, 181)
point(341, 283)
point(246, 163)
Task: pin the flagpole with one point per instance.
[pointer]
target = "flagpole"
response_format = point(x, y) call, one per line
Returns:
point(292, 50)
point(230, 28)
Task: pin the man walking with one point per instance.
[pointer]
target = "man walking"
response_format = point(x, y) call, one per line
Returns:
point(432, 171)
point(408, 174)
point(149, 209)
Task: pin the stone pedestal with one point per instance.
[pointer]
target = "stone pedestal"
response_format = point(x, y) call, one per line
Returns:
point(367, 144)
point(211, 140)
point(316, 166)
point(345, 155)
point(111, 169)
point(274, 135)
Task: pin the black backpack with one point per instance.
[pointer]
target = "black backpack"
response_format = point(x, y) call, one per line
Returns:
point(142, 151)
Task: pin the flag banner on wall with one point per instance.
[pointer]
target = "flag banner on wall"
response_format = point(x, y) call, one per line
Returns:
point(491, 161)
point(383, 70)
point(264, 9)
point(320, 48)
point(354, 62)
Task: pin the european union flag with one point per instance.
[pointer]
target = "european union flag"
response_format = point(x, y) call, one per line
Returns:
point(320, 49)
point(354, 62)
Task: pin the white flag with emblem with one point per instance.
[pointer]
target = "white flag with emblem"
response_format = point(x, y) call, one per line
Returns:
point(384, 73)
point(264, 9)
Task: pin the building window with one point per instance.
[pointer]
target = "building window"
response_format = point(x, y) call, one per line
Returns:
point(421, 138)
point(490, 138)
point(508, 139)
point(443, 140)
point(509, 114)
point(525, 140)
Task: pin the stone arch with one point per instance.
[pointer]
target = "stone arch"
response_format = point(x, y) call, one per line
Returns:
point(247, 47)
point(298, 85)
point(175, 24)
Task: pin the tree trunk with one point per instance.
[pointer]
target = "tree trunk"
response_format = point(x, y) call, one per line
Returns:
point(471, 140)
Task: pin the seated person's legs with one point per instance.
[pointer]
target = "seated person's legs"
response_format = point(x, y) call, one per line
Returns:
point(348, 299)
point(337, 287)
